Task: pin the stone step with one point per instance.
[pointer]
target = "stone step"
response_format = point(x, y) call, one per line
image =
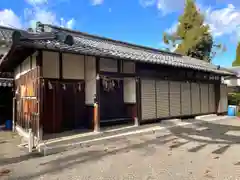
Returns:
point(171, 122)
point(206, 116)
point(215, 118)
point(83, 138)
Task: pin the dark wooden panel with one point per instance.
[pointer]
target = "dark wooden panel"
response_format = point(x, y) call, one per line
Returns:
point(174, 74)
point(6, 105)
point(64, 106)
point(79, 104)
point(131, 110)
point(73, 106)
point(111, 102)
point(89, 116)
point(52, 107)
point(68, 106)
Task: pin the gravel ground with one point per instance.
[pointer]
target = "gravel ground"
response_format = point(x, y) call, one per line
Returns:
point(208, 150)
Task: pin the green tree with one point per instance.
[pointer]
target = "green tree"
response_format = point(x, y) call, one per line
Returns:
point(236, 62)
point(192, 37)
point(30, 29)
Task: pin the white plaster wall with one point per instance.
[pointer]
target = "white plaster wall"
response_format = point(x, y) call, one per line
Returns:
point(17, 72)
point(232, 82)
point(227, 82)
point(90, 79)
point(4, 50)
point(73, 66)
point(128, 67)
point(50, 64)
point(129, 90)
point(108, 65)
point(28, 64)
point(34, 62)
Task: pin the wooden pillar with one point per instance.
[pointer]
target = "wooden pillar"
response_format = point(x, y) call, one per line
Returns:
point(60, 66)
point(14, 114)
point(138, 118)
point(217, 97)
point(200, 96)
point(96, 111)
point(191, 103)
point(40, 95)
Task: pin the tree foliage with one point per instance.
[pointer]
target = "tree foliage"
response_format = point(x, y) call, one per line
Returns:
point(236, 62)
point(192, 37)
point(30, 29)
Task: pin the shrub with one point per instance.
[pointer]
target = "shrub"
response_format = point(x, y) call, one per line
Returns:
point(234, 99)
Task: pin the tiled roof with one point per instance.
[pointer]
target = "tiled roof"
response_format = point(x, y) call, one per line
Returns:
point(235, 70)
point(6, 82)
point(5, 39)
point(94, 45)
point(6, 79)
point(6, 34)
point(134, 52)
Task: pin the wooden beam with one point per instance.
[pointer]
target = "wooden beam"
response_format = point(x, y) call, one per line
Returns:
point(60, 68)
point(40, 81)
point(39, 62)
point(138, 100)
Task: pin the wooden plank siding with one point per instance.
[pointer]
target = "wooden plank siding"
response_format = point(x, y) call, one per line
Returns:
point(177, 99)
point(160, 92)
point(27, 100)
point(63, 93)
point(63, 105)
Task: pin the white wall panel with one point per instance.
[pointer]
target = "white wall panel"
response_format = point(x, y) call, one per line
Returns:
point(17, 72)
point(73, 66)
point(34, 62)
point(128, 67)
point(129, 85)
point(50, 64)
point(108, 65)
point(90, 79)
point(25, 66)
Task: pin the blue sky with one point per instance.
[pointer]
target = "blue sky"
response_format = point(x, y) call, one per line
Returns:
point(136, 21)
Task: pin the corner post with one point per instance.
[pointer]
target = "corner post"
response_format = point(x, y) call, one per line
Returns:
point(96, 119)
point(138, 117)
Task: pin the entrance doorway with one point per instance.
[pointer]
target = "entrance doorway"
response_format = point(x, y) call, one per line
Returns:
point(6, 99)
point(112, 107)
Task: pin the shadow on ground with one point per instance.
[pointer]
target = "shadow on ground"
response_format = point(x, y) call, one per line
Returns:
point(13, 160)
point(213, 131)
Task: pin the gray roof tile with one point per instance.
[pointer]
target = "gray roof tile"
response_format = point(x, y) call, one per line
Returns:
point(5, 82)
point(6, 33)
point(94, 45)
